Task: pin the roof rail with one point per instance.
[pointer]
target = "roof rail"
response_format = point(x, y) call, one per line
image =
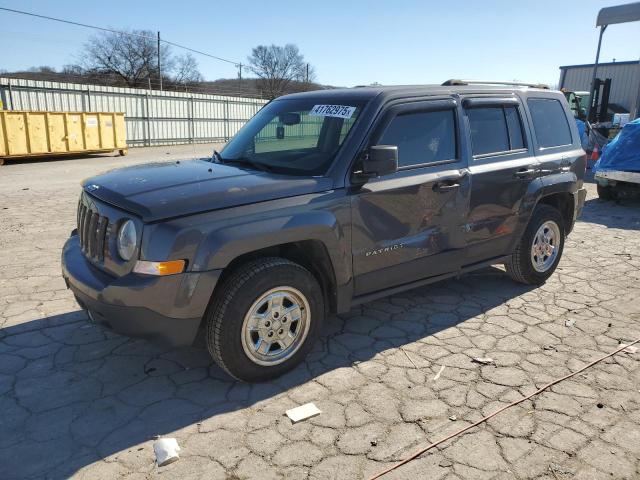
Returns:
point(454, 82)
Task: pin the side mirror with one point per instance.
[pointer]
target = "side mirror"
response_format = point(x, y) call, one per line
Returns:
point(380, 160)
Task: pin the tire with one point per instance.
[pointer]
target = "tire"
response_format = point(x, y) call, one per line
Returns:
point(522, 265)
point(605, 192)
point(256, 287)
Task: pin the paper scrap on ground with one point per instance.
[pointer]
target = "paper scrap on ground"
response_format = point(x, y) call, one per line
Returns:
point(629, 348)
point(409, 358)
point(570, 322)
point(166, 450)
point(482, 360)
point(303, 412)
point(439, 373)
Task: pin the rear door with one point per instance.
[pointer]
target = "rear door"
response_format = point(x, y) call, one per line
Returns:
point(502, 168)
point(408, 225)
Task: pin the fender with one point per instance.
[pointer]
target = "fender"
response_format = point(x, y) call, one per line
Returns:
point(544, 186)
point(211, 241)
point(561, 182)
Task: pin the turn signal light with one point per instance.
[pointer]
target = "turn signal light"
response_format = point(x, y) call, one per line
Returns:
point(159, 268)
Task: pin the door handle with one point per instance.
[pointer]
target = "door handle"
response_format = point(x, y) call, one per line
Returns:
point(525, 172)
point(442, 187)
point(449, 182)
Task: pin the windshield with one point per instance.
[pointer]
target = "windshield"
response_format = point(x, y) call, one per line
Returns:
point(295, 136)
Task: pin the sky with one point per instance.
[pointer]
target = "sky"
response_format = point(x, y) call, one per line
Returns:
point(349, 42)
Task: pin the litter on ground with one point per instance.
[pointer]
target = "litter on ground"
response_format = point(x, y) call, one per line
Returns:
point(303, 412)
point(482, 360)
point(166, 450)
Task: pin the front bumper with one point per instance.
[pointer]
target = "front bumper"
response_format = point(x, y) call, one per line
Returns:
point(165, 309)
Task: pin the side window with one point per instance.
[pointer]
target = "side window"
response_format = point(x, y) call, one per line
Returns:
point(422, 137)
point(514, 125)
point(495, 129)
point(488, 130)
point(549, 122)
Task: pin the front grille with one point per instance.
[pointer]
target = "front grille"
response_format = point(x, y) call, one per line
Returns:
point(92, 229)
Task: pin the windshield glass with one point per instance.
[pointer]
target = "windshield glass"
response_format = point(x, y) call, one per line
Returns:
point(296, 136)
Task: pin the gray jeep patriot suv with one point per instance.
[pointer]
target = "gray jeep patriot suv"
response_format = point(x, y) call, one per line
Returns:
point(322, 201)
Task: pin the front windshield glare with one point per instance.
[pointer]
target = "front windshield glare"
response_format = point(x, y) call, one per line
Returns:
point(299, 137)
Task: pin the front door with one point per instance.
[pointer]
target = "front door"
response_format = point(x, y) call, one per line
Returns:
point(408, 225)
point(502, 168)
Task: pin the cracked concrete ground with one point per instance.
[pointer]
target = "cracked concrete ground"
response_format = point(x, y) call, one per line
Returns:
point(77, 400)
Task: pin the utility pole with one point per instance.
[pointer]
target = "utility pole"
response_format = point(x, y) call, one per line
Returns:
point(591, 112)
point(307, 77)
point(240, 75)
point(159, 69)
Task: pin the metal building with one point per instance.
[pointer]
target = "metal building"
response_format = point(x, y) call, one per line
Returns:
point(625, 82)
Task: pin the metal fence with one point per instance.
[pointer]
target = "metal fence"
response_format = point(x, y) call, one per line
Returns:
point(152, 117)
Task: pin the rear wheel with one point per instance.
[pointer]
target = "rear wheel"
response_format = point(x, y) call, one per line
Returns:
point(605, 192)
point(264, 319)
point(538, 253)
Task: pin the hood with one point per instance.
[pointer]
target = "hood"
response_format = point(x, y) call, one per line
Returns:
point(156, 191)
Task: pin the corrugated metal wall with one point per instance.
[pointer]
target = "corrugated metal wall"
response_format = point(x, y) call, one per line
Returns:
point(625, 82)
point(152, 117)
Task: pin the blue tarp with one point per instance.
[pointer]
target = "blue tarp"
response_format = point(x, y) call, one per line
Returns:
point(623, 152)
point(582, 130)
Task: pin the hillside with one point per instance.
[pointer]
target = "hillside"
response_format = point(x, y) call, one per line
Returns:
point(225, 86)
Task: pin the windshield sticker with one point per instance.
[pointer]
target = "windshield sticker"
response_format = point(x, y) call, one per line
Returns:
point(340, 111)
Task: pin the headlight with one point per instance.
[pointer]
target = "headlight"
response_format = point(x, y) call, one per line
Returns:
point(127, 240)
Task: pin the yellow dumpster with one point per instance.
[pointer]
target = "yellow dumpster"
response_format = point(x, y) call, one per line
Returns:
point(31, 134)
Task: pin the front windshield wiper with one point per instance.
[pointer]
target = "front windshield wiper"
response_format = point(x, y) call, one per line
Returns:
point(217, 158)
point(248, 162)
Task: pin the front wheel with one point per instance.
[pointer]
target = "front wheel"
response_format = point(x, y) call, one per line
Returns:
point(264, 319)
point(538, 253)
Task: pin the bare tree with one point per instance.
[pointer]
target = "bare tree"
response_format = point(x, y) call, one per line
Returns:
point(42, 69)
point(132, 56)
point(186, 70)
point(72, 69)
point(276, 67)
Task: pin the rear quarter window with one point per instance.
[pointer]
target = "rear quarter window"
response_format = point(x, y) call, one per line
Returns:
point(549, 122)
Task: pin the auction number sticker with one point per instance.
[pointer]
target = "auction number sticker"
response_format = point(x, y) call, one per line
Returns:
point(340, 111)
